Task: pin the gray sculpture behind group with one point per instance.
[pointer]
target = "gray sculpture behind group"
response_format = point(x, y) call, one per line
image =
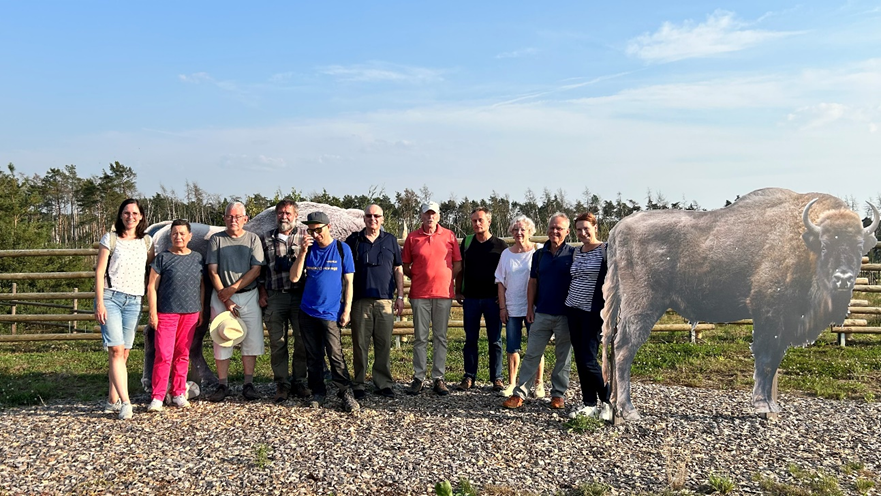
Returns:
point(786, 260)
point(343, 223)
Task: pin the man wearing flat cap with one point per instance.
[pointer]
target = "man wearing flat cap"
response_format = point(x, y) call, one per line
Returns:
point(431, 260)
point(327, 266)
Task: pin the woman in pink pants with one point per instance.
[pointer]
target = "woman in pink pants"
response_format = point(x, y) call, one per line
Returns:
point(175, 294)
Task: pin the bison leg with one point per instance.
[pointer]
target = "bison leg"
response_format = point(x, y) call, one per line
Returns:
point(200, 372)
point(633, 332)
point(768, 352)
point(149, 357)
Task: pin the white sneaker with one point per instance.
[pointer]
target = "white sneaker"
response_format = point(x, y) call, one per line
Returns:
point(540, 390)
point(508, 391)
point(584, 411)
point(125, 411)
point(112, 407)
point(155, 406)
point(606, 412)
point(180, 401)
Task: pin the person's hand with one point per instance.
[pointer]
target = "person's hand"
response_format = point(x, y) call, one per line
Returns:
point(460, 298)
point(226, 293)
point(344, 318)
point(201, 318)
point(101, 313)
point(530, 315)
point(503, 315)
point(263, 300)
point(232, 307)
point(399, 307)
point(306, 243)
point(154, 320)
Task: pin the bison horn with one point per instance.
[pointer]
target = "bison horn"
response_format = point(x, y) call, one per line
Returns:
point(876, 217)
point(808, 224)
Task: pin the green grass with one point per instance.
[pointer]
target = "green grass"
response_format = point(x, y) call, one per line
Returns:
point(33, 373)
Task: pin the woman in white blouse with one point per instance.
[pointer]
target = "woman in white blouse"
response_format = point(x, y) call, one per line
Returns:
point(512, 277)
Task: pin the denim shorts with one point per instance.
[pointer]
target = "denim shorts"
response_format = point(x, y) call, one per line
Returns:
point(123, 311)
point(514, 333)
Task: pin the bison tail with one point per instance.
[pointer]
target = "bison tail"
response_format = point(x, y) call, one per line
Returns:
point(609, 312)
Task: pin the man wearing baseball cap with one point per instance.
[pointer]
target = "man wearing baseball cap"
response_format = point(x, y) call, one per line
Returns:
point(327, 266)
point(431, 260)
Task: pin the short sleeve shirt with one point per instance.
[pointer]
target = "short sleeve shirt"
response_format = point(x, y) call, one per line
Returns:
point(179, 283)
point(552, 272)
point(479, 262)
point(513, 273)
point(432, 256)
point(127, 265)
point(323, 289)
point(375, 263)
point(234, 256)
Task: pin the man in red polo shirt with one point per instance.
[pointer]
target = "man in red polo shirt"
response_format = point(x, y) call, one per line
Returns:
point(431, 260)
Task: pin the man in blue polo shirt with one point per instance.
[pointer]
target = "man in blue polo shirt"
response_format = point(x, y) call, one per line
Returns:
point(378, 274)
point(327, 267)
point(546, 296)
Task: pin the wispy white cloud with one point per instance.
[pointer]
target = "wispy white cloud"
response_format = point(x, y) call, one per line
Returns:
point(196, 78)
point(825, 114)
point(381, 72)
point(517, 53)
point(721, 33)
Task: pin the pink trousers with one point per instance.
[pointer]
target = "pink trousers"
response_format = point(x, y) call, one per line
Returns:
point(173, 339)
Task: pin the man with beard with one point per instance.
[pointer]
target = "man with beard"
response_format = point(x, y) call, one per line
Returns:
point(280, 299)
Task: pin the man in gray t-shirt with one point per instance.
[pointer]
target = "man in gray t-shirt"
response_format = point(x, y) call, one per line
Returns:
point(234, 260)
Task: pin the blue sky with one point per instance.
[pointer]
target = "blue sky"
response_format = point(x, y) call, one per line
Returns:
point(696, 100)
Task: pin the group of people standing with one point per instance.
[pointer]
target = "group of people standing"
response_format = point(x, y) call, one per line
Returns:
point(306, 282)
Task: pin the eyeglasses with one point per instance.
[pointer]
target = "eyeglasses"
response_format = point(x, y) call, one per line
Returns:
point(236, 218)
point(315, 230)
point(375, 216)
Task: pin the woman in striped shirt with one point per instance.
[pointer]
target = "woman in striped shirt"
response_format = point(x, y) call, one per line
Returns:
point(583, 305)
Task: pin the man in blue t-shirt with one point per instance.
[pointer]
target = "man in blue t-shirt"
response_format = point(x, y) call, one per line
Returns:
point(327, 266)
point(546, 295)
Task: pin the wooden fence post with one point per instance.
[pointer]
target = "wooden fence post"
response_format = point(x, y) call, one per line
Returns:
point(75, 306)
point(14, 289)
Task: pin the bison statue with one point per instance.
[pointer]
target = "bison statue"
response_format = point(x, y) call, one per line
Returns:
point(786, 260)
point(342, 221)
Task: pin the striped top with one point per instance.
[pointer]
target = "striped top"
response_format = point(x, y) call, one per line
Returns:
point(585, 270)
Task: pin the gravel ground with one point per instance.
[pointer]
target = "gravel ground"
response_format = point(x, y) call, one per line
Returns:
point(407, 444)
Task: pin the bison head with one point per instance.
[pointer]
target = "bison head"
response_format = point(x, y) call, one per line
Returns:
point(839, 240)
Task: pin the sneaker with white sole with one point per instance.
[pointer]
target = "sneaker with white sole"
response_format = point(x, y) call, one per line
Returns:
point(180, 401)
point(112, 407)
point(508, 391)
point(606, 412)
point(155, 406)
point(584, 411)
point(125, 411)
point(539, 390)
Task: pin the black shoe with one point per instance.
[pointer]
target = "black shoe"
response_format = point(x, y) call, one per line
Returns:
point(219, 394)
point(359, 394)
point(301, 391)
point(249, 392)
point(440, 387)
point(415, 387)
point(387, 392)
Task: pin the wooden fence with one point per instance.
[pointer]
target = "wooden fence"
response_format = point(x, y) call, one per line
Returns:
point(860, 311)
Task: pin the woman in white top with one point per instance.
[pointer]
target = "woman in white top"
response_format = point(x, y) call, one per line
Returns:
point(123, 255)
point(512, 277)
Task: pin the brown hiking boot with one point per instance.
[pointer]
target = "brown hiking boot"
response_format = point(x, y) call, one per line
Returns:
point(466, 384)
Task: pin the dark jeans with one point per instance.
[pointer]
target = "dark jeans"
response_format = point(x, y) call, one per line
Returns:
point(320, 337)
point(282, 309)
point(585, 330)
point(472, 309)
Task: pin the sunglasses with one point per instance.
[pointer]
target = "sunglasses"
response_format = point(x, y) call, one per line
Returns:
point(315, 230)
point(375, 216)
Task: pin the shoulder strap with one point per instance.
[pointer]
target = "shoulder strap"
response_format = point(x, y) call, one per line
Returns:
point(468, 240)
point(112, 243)
point(339, 248)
